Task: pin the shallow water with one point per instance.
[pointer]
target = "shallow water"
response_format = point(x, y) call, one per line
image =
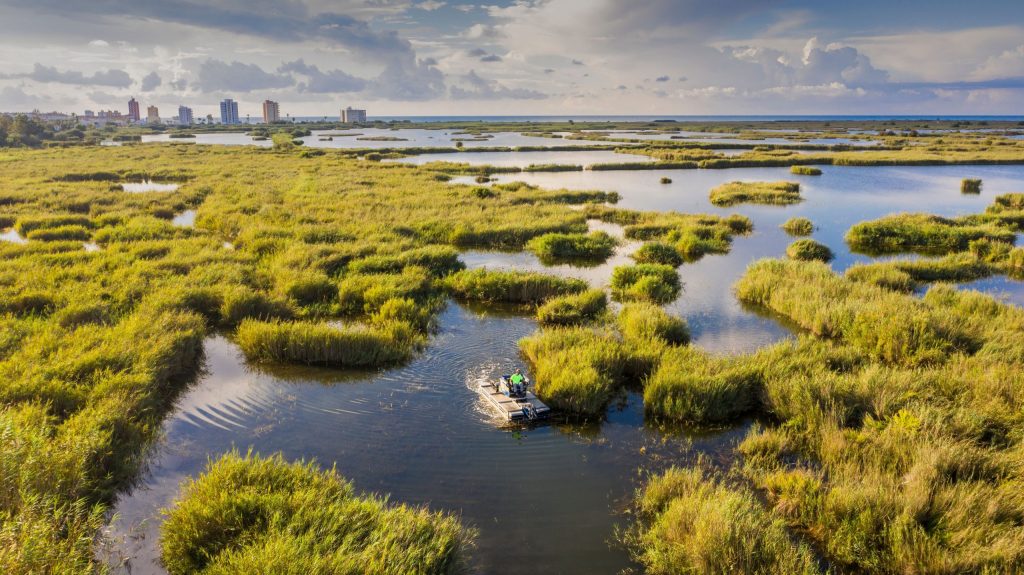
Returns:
point(523, 159)
point(186, 219)
point(548, 497)
point(12, 235)
point(148, 186)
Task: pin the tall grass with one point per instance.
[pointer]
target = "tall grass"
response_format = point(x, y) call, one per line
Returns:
point(658, 253)
point(644, 322)
point(805, 171)
point(692, 387)
point(798, 226)
point(692, 521)
point(922, 233)
point(595, 246)
point(779, 193)
point(577, 370)
point(573, 309)
point(970, 186)
point(248, 514)
point(509, 286)
point(322, 344)
point(657, 283)
point(809, 250)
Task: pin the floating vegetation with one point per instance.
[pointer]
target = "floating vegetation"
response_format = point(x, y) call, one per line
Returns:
point(772, 193)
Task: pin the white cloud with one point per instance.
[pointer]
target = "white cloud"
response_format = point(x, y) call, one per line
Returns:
point(431, 5)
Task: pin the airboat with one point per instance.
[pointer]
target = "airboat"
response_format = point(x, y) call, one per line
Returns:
point(514, 401)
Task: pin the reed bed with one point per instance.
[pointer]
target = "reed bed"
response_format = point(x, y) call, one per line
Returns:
point(805, 171)
point(248, 513)
point(772, 193)
point(312, 343)
point(510, 286)
point(922, 233)
point(798, 226)
point(573, 309)
point(658, 253)
point(657, 283)
point(809, 250)
point(594, 247)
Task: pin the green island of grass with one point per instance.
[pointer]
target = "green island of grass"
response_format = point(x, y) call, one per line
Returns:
point(772, 193)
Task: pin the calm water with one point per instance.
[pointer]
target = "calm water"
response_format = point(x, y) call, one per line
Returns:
point(523, 159)
point(148, 186)
point(186, 219)
point(547, 497)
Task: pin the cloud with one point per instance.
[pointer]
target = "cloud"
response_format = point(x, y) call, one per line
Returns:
point(99, 43)
point(661, 79)
point(151, 82)
point(430, 5)
point(1008, 63)
point(13, 98)
point(219, 76)
point(483, 31)
point(319, 82)
point(477, 88)
point(477, 52)
point(408, 79)
point(50, 74)
point(576, 62)
point(491, 58)
point(180, 84)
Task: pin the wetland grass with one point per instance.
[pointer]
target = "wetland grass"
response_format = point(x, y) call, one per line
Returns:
point(573, 309)
point(923, 233)
point(510, 286)
point(594, 247)
point(809, 250)
point(970, 186)
point(656, 283)
point(772, 193)
point(247, 514)
point(658, 253)
point(805, 171)
point(798, 226)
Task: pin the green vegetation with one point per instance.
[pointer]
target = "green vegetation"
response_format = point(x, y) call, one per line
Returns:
point(692, 387)
point(248, 514)
point(573, 309)
point(693, 521)
point(923, 233)
point(321, 344)
point(970, 186)
point(657, 283)
point(554, 247)
point(809, 250)
point(805, 171)
point(776, 193)
point(666, 180)
point(798, 226)
point(692, 235)
point(658, 253)
point(510, 286)
point(645, 322)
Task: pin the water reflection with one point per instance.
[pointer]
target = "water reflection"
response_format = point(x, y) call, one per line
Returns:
point(148, 186)
point(523, 159)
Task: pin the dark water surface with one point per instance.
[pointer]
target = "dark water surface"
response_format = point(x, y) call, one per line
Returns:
point(547, 499)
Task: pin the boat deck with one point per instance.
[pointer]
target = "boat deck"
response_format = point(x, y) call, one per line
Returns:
point(512, 408)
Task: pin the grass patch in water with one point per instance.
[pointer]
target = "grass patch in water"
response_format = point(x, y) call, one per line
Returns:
point(805, 171)
point(772, 193)
point(510, 286)
point(573, 309)
point(248, 514)
point(315, 343)
point(809, 250)
point(642, 322)
point(922, 233)
point(658, 253)
point(595, 247)
point(798, 226)
point(656, 283)
point(970, 186)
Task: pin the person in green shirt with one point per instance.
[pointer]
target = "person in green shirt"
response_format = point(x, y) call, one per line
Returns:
point(517, 383)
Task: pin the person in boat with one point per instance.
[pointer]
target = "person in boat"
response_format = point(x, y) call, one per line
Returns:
point(517, 383)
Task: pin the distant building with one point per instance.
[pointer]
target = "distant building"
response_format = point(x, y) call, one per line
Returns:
point(185, 117)
point(133, 111)
point(89, 114)
point(103, 118)
point(350, 115)
point(228, 111)
point(271, 112)
point(152, 115)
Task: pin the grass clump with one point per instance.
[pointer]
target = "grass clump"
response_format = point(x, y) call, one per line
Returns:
point(692, 387)
point(798, 226)
point(774, 193)
point(881, 275)
point(656, 283)
point(692, 521)
point(575, 369)
point(970, 186)
point(248, 514)
point(805, 171)
point(922, 233)
point(510, 286)
point(312, 343)
point(665, 180)
point(809, 250)
point(658, 253)
point(573, 309)
point(647, 322)
point(595, 246)
point(60, 234)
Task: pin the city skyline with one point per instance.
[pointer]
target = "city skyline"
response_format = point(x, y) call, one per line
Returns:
point(521, 57)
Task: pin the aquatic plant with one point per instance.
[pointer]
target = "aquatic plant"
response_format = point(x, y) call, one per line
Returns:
point(970, 186)
point(691, 520)
point(692, 387)
point(573, 309)
point(665, 180)
point(658, 253)
point(595, 246)
point(808, 250)
point(510, 286)
point(798, 226)
point(657, 283)
point(922, 233)
point(315, 343)
point(251, 513)
point(644, 322)
point(779, 193)
point(575, 369)
point(805, 171)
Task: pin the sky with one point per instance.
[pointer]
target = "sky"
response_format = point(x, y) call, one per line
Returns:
point(516, 57)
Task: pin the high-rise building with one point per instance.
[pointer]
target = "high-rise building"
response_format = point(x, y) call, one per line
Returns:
point(133, 110)
point(152, 115)
point(350, 115)
point(228, 111)
point(271, 112)
point(185, 116)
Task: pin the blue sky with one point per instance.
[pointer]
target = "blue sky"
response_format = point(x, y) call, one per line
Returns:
point(419, 57)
